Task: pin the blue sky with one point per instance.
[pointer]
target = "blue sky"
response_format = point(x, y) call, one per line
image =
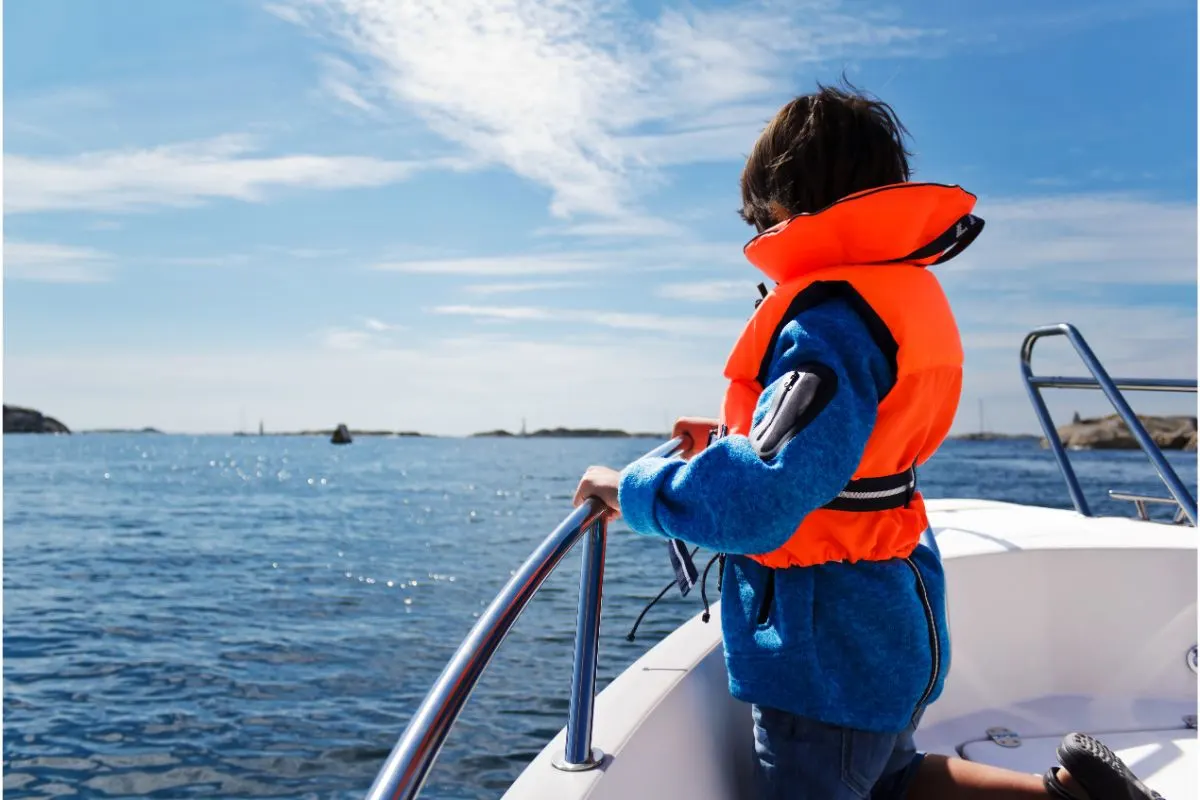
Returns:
point(450, 215)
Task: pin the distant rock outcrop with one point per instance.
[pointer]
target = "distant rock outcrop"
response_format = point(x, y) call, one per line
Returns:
point(1110, 433)
point(341, 435)
point(26, 420)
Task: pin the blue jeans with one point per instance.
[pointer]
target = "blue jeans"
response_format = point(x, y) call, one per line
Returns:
point(802, 759)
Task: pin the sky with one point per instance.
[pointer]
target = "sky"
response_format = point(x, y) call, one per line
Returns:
point(455, 215)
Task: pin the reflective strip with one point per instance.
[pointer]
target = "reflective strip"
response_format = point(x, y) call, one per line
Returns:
point(876, 494)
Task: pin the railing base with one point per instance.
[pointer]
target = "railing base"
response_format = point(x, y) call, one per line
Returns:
point(596, 760)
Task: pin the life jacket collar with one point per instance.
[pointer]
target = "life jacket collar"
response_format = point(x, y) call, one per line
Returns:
point(887, 224)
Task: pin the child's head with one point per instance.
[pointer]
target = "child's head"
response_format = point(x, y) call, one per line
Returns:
point(818, 149)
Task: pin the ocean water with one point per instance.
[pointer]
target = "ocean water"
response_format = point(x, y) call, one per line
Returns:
point(257, 617)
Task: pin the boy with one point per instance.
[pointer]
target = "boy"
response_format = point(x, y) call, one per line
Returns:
point(846, 378)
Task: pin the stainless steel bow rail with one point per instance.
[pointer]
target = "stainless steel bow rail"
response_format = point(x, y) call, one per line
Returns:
point(1180, 496)
point(408, 765)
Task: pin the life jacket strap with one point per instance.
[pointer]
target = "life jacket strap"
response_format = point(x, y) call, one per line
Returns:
point(876, 494)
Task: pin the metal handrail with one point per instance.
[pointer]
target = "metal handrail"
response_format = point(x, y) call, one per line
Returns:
point(408, 765)
point(1140, 500)
point(1112, 390)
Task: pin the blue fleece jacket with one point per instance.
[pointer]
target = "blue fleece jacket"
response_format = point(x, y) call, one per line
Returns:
point(861, 645)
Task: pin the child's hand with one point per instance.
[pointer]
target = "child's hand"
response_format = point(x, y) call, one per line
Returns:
point(694, 431)
point(601, 483)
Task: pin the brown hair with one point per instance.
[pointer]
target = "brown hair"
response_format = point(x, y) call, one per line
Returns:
point(818, 149)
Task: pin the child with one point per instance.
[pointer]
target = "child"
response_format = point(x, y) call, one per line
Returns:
point(846, 379)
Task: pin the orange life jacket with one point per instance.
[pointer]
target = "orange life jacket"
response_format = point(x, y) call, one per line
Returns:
point(871, 249)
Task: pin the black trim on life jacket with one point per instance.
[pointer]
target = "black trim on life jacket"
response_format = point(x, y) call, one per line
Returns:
point(876, 494)
point(950, 243)
point(820, 292)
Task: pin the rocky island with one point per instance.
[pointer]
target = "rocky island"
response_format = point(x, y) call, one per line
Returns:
point(1110, 433)
point(26, 420)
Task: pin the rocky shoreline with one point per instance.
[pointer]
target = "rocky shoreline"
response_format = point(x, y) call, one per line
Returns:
point(27, 420)
point(1110, 433)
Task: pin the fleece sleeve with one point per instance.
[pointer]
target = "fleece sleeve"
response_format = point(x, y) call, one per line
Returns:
point(739, 497)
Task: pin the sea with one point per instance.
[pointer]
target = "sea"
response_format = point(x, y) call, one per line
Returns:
point(248, 617)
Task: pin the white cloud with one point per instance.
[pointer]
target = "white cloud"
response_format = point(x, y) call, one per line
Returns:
point(513, 288)
point(588, 98)
point(341, 339)
point(625, 227)
point(339, 80)
point(285, 13)
point(46, 262)
point(1066, 240)
point(666, 256)
point(223, 260)
point(529, 264)
point(379, 326)
point(182, 175)
point(371, 333)
point(708, 291)
point(689, 326)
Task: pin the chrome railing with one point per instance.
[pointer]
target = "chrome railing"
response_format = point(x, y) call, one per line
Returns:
point(408, 765)
point(1112, 390)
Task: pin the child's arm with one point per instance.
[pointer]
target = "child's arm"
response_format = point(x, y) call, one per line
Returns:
point(739, 497)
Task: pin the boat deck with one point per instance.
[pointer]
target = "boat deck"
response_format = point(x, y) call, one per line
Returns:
point(1165, 760)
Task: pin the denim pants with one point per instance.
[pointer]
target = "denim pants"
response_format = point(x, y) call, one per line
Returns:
point(802, 759)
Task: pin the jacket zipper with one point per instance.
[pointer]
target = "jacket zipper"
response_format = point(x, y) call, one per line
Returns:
point(934, 646)
point(777, 402)
point(764, 609)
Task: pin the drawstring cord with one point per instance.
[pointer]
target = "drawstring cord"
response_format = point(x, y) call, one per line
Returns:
point(629, 637)
point(704, 584)
point(632, 631)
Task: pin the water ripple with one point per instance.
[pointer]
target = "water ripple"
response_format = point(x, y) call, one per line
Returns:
point(245, 617)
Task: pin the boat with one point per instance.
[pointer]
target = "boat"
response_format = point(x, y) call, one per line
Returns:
point(1060, 620)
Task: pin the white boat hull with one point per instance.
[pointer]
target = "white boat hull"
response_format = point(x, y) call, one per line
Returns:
point(1058, 623)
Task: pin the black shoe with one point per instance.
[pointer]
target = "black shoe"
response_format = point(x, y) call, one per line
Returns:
point(1098, 770)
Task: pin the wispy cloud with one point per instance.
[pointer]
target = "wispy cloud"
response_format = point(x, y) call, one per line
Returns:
point(379, 326)
point(182, 175)
point(708, 291)
point(46, 262)
point(652, 257)
point(514, 288)
point(340, 80)
point(607, 96)
point(528, 264)
point(1065, 240)
point(223, 260)
point(370, 333)
point(659, 323)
